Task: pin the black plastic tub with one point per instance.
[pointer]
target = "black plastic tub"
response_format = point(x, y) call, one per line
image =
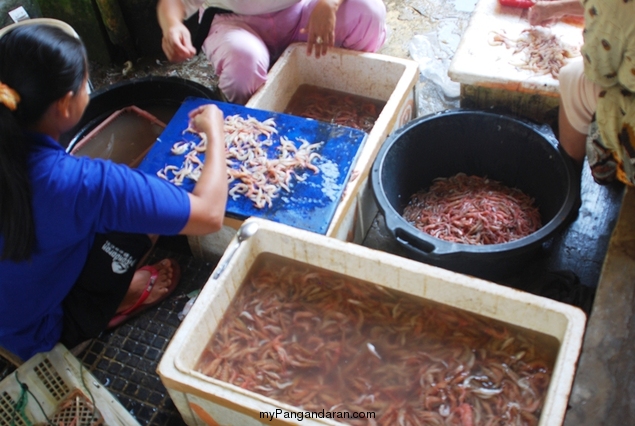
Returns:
point(508, 149)
point(160, 96)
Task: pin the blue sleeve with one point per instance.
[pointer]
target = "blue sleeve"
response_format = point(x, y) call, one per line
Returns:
point(127, 200)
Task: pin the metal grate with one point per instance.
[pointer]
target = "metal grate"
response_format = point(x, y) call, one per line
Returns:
point(125, 359)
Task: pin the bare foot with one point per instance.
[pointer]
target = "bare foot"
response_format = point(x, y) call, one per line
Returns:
point(140, 280)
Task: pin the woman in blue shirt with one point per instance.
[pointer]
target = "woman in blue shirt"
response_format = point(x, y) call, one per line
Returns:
point(72, 230)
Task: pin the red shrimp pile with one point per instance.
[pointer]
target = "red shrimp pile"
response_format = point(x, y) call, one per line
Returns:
point(322, 341)
point(335, 107)
point(544, 52)
point(473, 210)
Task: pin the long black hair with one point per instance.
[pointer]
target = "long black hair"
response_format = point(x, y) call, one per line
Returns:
point(41, 63)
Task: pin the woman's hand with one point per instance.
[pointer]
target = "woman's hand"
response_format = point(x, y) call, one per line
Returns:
point(206, 118)
point(177, 43)
point(208, 199)
point(321, 29)
point(549, 11)
point(542, 13)
point(177, 40)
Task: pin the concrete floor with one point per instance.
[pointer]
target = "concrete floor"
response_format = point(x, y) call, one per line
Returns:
point(603, 391)
point(125, 359)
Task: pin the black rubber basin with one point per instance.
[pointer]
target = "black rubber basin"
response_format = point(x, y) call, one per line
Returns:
point(514, 151)
point(160, 96)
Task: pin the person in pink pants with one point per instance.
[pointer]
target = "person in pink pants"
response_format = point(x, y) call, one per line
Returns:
point(242, 46)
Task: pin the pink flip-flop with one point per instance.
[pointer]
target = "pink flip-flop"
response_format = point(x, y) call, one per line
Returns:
point(139, 306)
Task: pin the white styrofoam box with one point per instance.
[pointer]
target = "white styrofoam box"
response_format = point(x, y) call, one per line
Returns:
point(203, 400)
point(476, 62)
point(371, 75)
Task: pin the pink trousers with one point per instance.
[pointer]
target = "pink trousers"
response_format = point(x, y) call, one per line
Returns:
point(241, 48)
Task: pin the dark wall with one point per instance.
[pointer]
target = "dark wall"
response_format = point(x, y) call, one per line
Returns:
point(31, 6)
point(113, 31)
point(140, 17)
point(85, 18)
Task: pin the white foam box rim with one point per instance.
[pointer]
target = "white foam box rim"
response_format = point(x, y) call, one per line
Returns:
point(372, 75)
point(564, 322)
point(476, 62)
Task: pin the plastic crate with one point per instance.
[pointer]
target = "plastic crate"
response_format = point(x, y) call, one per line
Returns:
point(57, 393)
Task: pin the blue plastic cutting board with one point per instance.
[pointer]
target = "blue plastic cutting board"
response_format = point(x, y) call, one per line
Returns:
point(311, 204)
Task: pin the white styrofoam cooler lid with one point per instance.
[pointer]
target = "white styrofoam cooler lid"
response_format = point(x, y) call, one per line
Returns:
point(476, 62)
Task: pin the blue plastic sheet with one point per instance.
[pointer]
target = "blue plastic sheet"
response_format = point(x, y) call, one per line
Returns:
point(311, 203)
